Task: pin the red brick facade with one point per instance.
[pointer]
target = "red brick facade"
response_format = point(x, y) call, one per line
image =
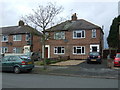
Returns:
point(10, 44)
point(70, 43)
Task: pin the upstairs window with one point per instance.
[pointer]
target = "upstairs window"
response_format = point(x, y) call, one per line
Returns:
point(17, 37)
point(4, 38)
point(59, 50)
point(79, 50)
point(27, 37)
point(94, 33)
point(79, 34)
point(59, 35)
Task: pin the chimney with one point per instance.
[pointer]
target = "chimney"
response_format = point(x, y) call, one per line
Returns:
point(21, 23)
point(74, 17)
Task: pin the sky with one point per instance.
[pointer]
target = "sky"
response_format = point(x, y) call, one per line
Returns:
point(97, 12)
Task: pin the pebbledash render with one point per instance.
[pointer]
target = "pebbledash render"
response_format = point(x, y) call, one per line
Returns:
point(74, 38)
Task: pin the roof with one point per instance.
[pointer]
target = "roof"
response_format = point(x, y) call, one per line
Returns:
point(19, 30)
point(74, 25)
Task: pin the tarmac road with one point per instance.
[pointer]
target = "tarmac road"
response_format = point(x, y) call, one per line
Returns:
point(27, 80)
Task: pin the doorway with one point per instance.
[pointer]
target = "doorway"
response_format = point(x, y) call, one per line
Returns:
point(94, 48)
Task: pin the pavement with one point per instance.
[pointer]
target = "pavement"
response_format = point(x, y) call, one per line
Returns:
point(81, 70)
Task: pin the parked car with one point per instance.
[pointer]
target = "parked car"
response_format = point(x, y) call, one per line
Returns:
point(94, 57)
point(17, 63)
point(117, 60)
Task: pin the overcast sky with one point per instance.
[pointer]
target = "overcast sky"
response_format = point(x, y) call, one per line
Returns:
point(95, 11)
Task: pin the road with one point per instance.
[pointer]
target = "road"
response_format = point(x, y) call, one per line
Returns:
point(27, 80)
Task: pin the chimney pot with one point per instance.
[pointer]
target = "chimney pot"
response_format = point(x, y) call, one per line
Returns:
point(21, 23)
point(74, 17)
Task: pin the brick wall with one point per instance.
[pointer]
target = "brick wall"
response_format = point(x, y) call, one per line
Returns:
point(70, 42)
point(22, 43)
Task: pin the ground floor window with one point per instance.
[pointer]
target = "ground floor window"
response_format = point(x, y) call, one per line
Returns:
point(59, 50)
point(78, 50)
point(17, 50)
point(4, 49)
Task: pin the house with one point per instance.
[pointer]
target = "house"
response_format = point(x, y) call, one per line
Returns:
point(19, 39)
point(74, 38)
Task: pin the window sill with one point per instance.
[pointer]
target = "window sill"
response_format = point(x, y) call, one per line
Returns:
point(78, 54)
point(16, 40)
point(4, 41)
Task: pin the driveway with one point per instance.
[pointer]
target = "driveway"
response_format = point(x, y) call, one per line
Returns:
point(89, 70)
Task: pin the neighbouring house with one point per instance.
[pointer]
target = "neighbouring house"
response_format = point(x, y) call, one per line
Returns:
point(20, 39)
point(74, 38)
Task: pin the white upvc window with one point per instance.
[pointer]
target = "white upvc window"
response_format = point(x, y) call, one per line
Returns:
point(59, 35)
point(17, 37)
point(94, 33)
point(17, 50)
point(59, 50)
point(27, 37)
point(5, 38)
point(4, 49)
point(79, 34)
point(79, 50)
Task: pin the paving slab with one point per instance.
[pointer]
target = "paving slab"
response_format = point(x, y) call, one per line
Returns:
point(68, 63)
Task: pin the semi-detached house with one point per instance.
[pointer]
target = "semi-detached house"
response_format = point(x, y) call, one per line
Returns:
point(74, 38)
point(19, 39)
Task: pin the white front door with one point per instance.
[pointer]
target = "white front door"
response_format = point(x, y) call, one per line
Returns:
point(94, 48)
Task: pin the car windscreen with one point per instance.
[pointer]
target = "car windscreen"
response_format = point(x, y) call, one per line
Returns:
point(94, 54)
point(118, 55)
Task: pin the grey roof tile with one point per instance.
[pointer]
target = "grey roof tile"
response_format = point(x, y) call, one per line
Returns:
point(19, 30)
point(74, 25)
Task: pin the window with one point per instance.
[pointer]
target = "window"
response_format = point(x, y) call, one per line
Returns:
point(79, 34)
point(79, 50)
point(59, 50)
point(4, 38)
point(94, 33)
point(4, 49)
point(17, 50)
point(27, 37)
point(17, 38)
point(59, 35)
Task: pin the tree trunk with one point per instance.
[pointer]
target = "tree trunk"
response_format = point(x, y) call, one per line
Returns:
point(44, 60)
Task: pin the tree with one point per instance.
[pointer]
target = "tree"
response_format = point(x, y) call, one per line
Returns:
point(42, 17)
point(112, 38)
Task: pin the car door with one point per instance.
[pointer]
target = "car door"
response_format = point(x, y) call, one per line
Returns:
point(4, 63)
point(11, 62)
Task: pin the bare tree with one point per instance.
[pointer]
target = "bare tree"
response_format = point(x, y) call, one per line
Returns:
point(42, 17)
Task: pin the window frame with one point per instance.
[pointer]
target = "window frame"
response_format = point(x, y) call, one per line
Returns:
point(3, 49)
point(15, 50)
point(14, 38)
point(78, 31)
point(27, 37)
point(93, 32)
point(56, 50)
point(61, 34)
point(4, 37)
point(79, 47)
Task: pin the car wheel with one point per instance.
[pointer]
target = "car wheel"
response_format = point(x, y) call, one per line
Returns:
point(88, 62)
point(16, 70)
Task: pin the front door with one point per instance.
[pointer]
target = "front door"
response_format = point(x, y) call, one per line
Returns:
point(46, 48)
point(94, 49)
